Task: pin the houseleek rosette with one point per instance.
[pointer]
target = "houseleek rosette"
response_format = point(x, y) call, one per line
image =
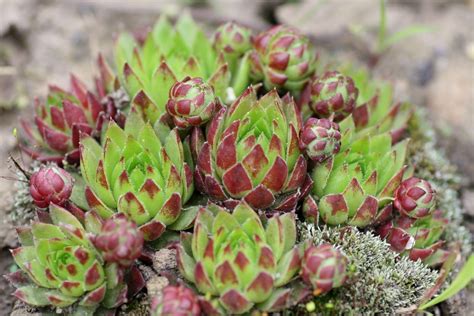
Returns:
point(135, 174)
point(234, 258)
point(415, 198)
point(234, 41)
point(191, 102)
point(251, 153)
point(332, 94)
point(167, 54)
point(283, 58)
point(324, 268)
point(375, 112)
point(64, 116)
point(50, 184)
point(62, 266)
point(175, 300)
point(419, 239)
point(352, 186)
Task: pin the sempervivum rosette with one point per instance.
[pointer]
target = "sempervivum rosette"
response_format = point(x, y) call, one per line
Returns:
point(119, 241)
point(50, 184)
point(332, 94)
point(415, 198)
point(283, 59)
point(353, 186)
point(64, 116)
point(137, 175)
point(192, 102)
point(148, 69)
point(417, 238)
point(324, 268)
point(251, 153)
point(234, 41)
point(320, 138)
point(177, 301)
point(62, 266)
point(233, 258)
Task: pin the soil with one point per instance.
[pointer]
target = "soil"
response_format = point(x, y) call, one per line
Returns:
point(42, 41)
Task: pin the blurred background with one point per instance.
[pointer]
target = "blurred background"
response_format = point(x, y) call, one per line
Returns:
point(426, 50)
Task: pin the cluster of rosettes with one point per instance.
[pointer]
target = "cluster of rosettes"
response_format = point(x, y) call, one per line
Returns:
point(60, 266)
point(182, 113)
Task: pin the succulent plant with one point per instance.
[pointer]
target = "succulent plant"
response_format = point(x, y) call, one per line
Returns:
point(60, 266)
point(66, 115)
point(375, 112)
point(234, 41)
point(168, 54)
point(191, 102)
point(283, 59)
point(119, 241)
point(177, 301)
point(50, 184)
point(417, 238)
point(355, 186)
point(233, 257)
point(324, 268)
point(251, 153)
point(332, 94)
point(134, 173)
point(320, 138)
point(415, 198)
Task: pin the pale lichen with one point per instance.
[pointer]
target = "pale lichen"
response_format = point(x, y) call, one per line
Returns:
point(380, 282)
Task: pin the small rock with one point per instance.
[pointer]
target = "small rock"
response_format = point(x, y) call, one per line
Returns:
point(164, 260)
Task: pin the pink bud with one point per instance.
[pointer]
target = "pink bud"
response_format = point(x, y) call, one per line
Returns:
point(50, 185)
point(120, 241)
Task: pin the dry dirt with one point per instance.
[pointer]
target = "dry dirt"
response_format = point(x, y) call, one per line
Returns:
point(44, 41)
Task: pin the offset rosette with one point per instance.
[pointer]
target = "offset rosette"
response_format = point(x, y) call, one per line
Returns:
point(51, 184)
point(320, 138)
point(283, 59)
point(175, 300)
point(251, 153)
point(234, 258)
point(324, 267)
point(234, 41)
point(134, 173)
point(63, 266)
point(355, 186)
point(332, 94)
point(149, 67)
point(191, 102)
point(415, 198)
point(119, 241)
point(65, 115)
point(417, 238)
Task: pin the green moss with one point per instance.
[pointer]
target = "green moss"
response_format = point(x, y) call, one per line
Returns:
point(381, 281)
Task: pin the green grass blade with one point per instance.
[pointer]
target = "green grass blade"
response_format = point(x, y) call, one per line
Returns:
point(465, 276)
point(404, 34)
point(382, 26)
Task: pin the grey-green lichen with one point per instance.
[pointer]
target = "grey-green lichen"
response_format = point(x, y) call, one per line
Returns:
point(380, 282)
